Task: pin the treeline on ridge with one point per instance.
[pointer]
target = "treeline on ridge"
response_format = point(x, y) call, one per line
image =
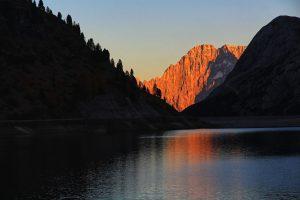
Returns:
point(48, 67)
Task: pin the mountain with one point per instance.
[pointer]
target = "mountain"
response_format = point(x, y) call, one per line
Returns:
point(48, 70)
point(266, 79)
point(197, 73)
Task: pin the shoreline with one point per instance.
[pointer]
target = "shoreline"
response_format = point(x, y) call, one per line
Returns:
point(107, 126)
point(253, 121)
point(101, 126)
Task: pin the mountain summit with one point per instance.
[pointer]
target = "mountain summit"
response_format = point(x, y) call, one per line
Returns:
point(197, 73)
point(266, 79)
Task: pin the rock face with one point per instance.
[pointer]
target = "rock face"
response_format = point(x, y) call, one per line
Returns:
point(266, 79)
point(197, 73)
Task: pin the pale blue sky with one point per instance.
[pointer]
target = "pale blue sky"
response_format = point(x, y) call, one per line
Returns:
point(149, 35)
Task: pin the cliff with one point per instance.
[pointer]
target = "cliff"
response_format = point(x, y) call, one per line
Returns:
point(197, 73)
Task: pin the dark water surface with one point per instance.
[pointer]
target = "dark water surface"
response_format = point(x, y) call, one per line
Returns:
point(196, 164)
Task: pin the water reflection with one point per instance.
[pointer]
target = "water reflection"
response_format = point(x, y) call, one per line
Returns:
point(199, 164)
point(212, 164)
point(183, 154)
point(188, 149)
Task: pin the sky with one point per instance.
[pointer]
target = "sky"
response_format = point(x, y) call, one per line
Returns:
point(149, 35)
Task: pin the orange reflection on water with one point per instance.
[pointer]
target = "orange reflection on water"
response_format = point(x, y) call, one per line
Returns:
point(183, 154)
point(190, 148)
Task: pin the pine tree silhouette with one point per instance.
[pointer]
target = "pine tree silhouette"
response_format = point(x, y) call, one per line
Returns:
point(48, 10)
point(90, 43)
point(34, 3)
point(41, 5)
point(131, 73)
point(120, 66)
point(98, 48)
point(156, 91)
point(112, 62)
point(59, 15)
point(105, 55)
point(69, 20)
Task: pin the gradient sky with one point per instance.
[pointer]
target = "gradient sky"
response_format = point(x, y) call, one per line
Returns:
point(149, 35)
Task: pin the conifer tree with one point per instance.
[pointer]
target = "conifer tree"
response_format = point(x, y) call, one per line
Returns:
point(48, 10)
point(105, 55)
point(120, 66)
point(98, 48)
point(77, 28)
point(144, 88)
point(41, 5)
point(82, 36)
point(59, 15)
point(132, 78)
point(112, 62)
point(69, 20)
point(131, 73)
point(90, 43)
point(156, 91)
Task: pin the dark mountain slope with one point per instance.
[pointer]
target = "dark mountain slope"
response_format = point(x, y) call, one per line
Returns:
point(266, 79)
point(48, 70)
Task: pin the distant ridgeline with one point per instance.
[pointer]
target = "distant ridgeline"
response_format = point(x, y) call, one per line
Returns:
point(49, 70)
point(265, 80)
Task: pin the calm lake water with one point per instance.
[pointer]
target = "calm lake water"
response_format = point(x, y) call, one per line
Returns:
point(194, 164)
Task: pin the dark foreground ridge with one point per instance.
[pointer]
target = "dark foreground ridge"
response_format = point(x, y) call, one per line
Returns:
point(266, 79)
point(48, 70)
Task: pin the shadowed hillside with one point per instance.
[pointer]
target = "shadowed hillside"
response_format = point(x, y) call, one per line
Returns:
point(49, 70)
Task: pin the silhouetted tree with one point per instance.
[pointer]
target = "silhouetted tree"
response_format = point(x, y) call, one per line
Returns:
point(82, 36)
point(90, 43)
point(132, 78)
point(98, 48)
point(131, 73)
point(144, 88)
point(97, 53)
point(77, 28)
point(34, 3)
point(112, 62)
point(69, 20)
point(156, 91)
point(120, 66)
point(105, 55)
point(59, 15)
point(48, 10)
point(41, 5)
point(127, 73)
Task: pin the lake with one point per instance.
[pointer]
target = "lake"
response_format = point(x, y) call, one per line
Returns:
point(188, 164)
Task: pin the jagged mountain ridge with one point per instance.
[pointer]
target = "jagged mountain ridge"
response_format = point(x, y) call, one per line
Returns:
point(197, 73)
point(266, 79)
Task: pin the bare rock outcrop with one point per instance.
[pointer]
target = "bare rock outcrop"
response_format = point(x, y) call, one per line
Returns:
point(197, 73)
